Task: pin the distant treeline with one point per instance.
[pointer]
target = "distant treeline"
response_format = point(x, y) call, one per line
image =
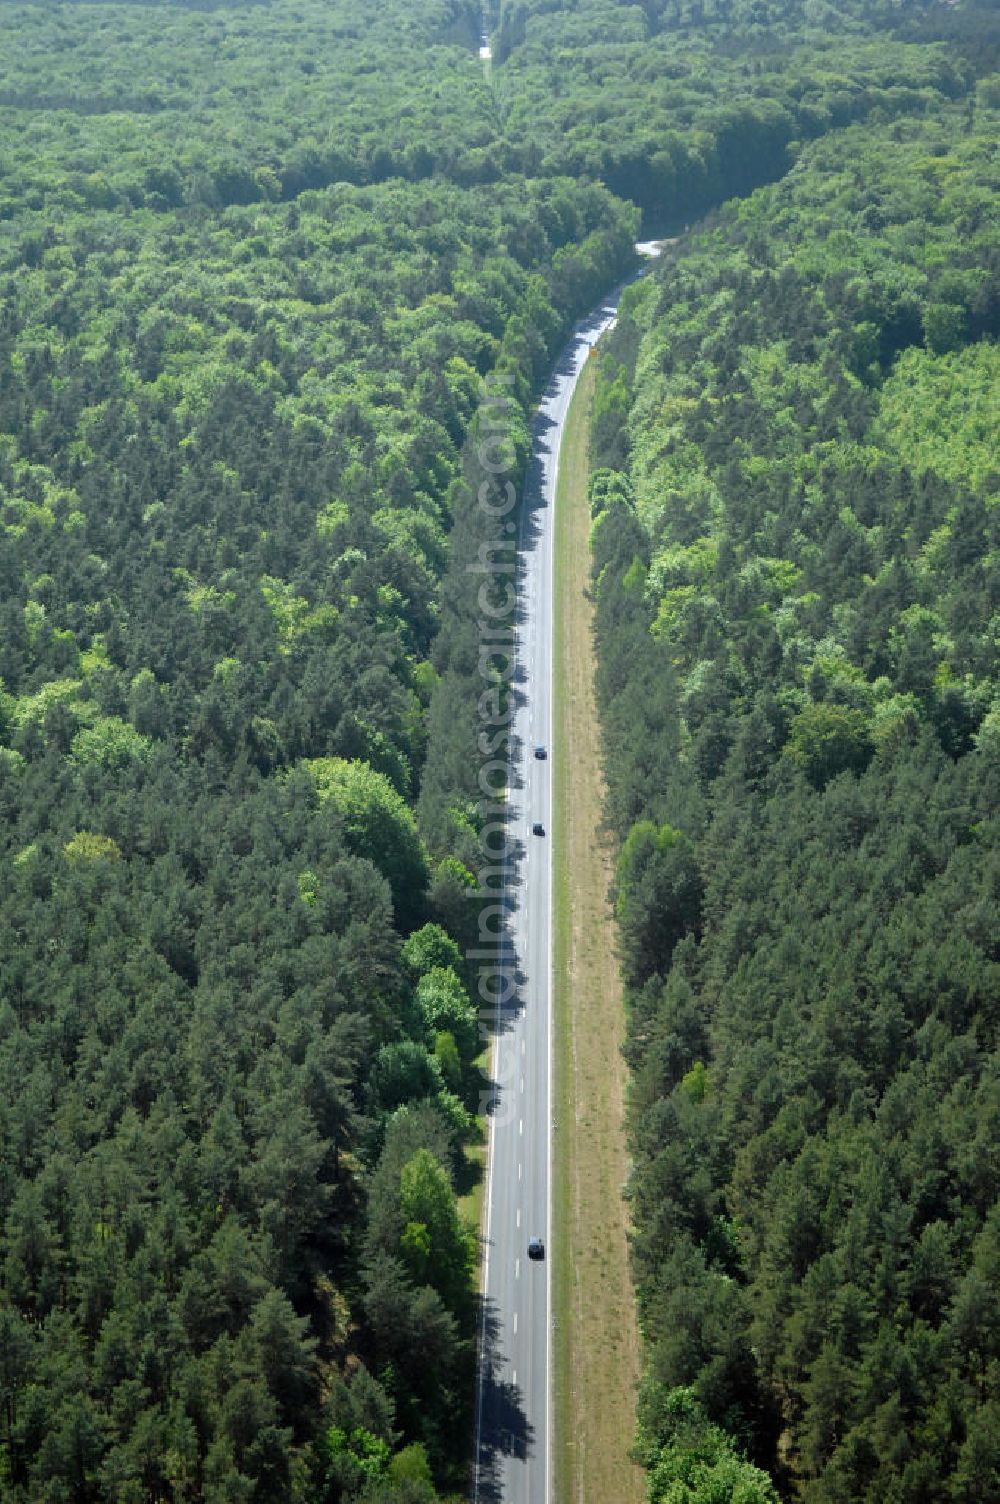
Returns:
point(665, 116)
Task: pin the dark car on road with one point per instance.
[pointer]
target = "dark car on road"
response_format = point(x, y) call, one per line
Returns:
point(538, 829)
point(540, 752)
point(536, 1248)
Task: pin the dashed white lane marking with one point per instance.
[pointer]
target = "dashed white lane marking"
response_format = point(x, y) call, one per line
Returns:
point(515, 1323)
point(522, 1083)
point(519, 1172)
point(519, 1216)
point(514, 1378)
point(522, 1046)
point(517, 1268)
point(520, 1126)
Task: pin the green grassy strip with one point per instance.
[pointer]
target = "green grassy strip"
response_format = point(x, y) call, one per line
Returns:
point(576, 433)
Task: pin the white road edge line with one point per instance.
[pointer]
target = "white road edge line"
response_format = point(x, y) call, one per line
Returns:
point(495, 1043)
point(549, 1400)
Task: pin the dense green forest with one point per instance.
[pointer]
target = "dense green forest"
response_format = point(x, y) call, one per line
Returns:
point(797, 579)
point(254, 263)
point(239, 371)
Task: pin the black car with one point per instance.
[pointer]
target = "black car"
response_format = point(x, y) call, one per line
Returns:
point(540, 752)
point(538, 829)
point(536, 1248)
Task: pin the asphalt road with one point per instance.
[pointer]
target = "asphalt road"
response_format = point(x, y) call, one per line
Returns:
point(513, 1401)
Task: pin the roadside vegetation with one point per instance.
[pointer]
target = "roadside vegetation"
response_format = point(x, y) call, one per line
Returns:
point(596, 1347)
point(795, 560)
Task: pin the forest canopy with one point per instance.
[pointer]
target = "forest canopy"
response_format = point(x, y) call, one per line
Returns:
point(796, 570)
point(255, 262)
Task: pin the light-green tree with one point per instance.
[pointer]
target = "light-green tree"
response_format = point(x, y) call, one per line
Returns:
point(378, 824)
point(658, 893)
point(434, 1245)
point(445, 1005)
point(829, 739)
point(428, 947)
point(695, 1462)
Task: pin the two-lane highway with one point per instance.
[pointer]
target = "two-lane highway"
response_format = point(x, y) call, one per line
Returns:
point(513, 1464)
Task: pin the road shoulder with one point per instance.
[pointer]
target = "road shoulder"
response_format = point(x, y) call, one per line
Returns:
point(596, 1345)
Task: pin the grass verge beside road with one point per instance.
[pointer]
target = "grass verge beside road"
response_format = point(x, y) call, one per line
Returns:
point(596, 1344)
